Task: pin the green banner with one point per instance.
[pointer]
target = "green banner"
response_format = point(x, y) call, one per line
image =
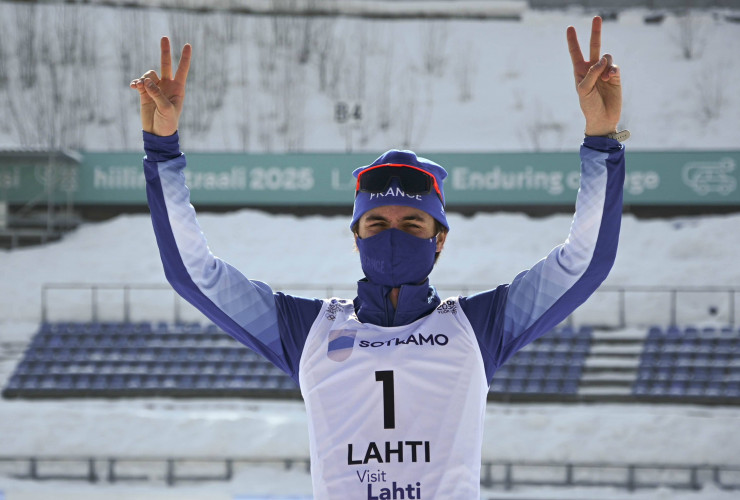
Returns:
point(234, 180)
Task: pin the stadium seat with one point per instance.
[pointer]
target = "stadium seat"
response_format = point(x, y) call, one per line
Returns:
point(570, 386)
point(551, 386)
point(731, 390)
point(537, 372)
point(533, 386)
point(142, 358)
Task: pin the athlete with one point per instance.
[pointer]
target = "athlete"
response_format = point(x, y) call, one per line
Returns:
point(394, 381)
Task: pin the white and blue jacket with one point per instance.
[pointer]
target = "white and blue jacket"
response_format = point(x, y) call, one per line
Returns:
point(504, 319)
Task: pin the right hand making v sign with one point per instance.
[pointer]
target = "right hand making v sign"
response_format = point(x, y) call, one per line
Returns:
point(598, 83)
point(162, 97)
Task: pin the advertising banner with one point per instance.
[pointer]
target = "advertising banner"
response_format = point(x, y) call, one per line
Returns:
point(479, 179)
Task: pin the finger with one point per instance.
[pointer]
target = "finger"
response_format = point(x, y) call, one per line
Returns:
point(184, 66)
point(152, 75)
point(611, 74)
point(593, 74)
point(156, 94)
point(573, 47)
point(608, 65)
point(138, 84)
point(595, 46)
point(166, 58)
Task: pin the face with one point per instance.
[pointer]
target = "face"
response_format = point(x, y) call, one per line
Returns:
point(407, 219)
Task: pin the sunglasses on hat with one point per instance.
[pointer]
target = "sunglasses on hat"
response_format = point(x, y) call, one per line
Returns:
point(412, 180)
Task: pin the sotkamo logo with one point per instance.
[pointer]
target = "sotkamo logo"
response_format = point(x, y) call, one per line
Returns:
point(418, 339)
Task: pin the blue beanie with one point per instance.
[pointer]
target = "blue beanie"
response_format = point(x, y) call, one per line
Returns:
point(429, 203)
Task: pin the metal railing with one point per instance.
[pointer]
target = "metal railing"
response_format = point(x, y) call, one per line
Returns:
point(673, 294)
point(125, 302)
point(504, 475)
point(628, 476)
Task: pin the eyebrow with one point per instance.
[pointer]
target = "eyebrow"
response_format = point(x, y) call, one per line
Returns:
point(375, 218)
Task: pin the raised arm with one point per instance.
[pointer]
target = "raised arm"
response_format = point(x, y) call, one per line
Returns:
point(274, 325)
point(511, 316)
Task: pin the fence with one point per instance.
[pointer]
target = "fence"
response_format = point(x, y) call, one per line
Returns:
point(626, 305)
point(494, 474)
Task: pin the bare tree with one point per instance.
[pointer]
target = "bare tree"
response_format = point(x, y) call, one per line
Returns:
point(465, 72)
point(19, 36)
point(323, 42)
point(25, 47)
point(49, 104)
point(348, 63)
point(282, 83)
point(243, 122)
point(67, 51)
point(542, 130)
point(434, 46)
point(383, 105)
point(691, 34)
point(414, 109)
point(711, 86)
point(134, 48)
point(5, 71)
point(337, 68)
point(291, 105)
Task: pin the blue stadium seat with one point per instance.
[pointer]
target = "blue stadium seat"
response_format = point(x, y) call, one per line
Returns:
point(731, 390)
point(677, 388)
point(516, 385)
point(519, 372)
point(560, 358)
point(551, 386)
point(570, 386)
point(653, 347)
point(541, 358)
point(544, 343)
point(523, 357)
point(152, 358)
point(672, 332)
point(666, 361)
point(537, 373)
point(713, 389)
point(203, 382)
point(708, 332)
point(680, 373)
point(533, 386)
point(555, 371)
point(640, 387)
point(658, 389)
point(574, 372)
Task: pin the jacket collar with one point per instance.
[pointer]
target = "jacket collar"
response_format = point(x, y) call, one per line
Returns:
point(372, 304)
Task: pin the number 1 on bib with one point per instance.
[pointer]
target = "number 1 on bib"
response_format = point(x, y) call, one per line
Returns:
point(389, 405)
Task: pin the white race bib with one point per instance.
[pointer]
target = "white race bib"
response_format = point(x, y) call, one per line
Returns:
point(394, 412)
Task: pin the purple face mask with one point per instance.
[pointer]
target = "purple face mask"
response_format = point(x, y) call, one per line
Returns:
point(394, 257)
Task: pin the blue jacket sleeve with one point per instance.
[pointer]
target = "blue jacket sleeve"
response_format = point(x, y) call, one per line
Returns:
point(511, 316)
point(272, 324)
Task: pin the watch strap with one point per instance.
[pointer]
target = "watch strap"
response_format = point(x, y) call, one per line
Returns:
point(621, 136)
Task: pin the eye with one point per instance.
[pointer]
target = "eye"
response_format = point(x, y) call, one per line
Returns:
point(413, 228)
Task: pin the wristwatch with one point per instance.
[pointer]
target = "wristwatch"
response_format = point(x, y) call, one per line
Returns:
point(621, 136)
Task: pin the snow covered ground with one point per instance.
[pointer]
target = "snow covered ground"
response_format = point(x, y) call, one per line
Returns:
point(521, 78)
